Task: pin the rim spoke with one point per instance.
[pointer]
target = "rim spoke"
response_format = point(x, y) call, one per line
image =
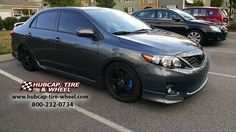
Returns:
point(119, 81)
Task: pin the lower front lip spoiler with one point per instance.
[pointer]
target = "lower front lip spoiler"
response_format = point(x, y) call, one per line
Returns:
point(161, 98)
point(200, 88)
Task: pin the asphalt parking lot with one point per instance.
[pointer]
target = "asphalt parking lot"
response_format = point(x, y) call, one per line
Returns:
point(213, 109)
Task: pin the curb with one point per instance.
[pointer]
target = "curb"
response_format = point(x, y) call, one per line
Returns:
point(6, 57)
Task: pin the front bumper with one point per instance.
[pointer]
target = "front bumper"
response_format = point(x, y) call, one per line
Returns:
point(185, 82)
point(163, 98)
point(216, 37)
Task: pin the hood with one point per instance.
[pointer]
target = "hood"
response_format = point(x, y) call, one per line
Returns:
point(204, 22)
point(161, 42)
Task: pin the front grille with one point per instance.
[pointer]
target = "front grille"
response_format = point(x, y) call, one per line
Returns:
point(196, 60)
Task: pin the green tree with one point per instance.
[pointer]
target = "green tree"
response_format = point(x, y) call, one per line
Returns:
point(217, 3)
point(56, 3)
point(232, 4)
point(198, 3)
point(106, 3)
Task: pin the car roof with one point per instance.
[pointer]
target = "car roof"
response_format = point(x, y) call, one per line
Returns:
point(202, 7)
point(73, 8)
point(149, 9)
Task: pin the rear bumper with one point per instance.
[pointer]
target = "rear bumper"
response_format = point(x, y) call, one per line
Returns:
point(15, 54)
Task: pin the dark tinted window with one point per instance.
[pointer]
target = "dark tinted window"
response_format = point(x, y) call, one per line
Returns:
point(164, 15)
point(199, 12)
point(70, 22)
point(47, 20)
point(146, 14)
point(33, 23)
point(187, 10)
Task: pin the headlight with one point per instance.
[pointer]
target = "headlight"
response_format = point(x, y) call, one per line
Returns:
point(165, 61)
point(215, 28)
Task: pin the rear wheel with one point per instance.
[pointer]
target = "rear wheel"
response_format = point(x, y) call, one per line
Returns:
point(26, 58)
point(122, 82)
point(195, 36)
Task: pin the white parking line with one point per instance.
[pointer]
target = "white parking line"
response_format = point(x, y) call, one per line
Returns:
point(221, 50)
point(81, 110)
point(224, 75)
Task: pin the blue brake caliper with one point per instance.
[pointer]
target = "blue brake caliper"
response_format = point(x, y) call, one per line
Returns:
point(130, 85)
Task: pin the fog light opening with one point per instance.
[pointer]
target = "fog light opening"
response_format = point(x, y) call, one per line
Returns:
point(171, 91)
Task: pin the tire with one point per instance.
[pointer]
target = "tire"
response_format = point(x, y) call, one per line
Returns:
point(196, 36)
point(122, 82)
point(26, 58)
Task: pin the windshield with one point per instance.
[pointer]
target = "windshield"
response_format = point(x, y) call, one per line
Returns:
point(223, 12)
point(116, 21)
point(185, 15)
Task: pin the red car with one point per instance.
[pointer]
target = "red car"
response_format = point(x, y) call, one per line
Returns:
point(213, 14)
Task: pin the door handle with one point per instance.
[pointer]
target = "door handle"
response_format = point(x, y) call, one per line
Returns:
point(57, 40)
point(29, 34)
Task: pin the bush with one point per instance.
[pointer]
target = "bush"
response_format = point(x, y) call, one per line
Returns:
point(9, 23)
point(1, 24)
point(23, 19)
point(232, 26)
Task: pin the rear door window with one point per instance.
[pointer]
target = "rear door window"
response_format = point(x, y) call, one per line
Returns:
point(71, 21)
point(47, 20)
point(146, 14)
point(164, 15)
point(199, 12)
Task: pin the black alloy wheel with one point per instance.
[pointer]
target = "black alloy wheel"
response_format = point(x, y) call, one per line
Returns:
point(122, 82)
point(26, 58)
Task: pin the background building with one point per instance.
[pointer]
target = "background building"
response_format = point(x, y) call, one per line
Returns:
point(148, 4)
point(180, 4)
point(128, 6)
point(86, 2)
point(18, 8)
point(172, 3)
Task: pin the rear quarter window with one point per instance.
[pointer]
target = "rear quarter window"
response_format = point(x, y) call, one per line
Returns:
point(211, 12)
point(187, 10)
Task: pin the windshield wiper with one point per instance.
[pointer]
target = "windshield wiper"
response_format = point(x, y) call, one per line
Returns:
point(121, 33)
point(126, 32)
point(141, 31)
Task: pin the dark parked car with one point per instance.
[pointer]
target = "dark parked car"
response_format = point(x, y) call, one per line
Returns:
point(108, 47)
point(213, 14)
point(183, 23)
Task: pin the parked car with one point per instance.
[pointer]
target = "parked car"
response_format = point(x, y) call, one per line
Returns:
point(110, 47)
point(213, 14)
point(183, 23)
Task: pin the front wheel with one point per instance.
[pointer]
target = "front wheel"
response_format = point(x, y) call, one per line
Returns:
point(26, 59)
point(196, 36)
point(122, 82)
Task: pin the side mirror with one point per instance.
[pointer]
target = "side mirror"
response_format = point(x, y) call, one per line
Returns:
point(85, 33)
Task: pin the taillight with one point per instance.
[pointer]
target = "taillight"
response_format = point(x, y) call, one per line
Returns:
point(11, 33)
point(219, 17)
point(226, 19)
